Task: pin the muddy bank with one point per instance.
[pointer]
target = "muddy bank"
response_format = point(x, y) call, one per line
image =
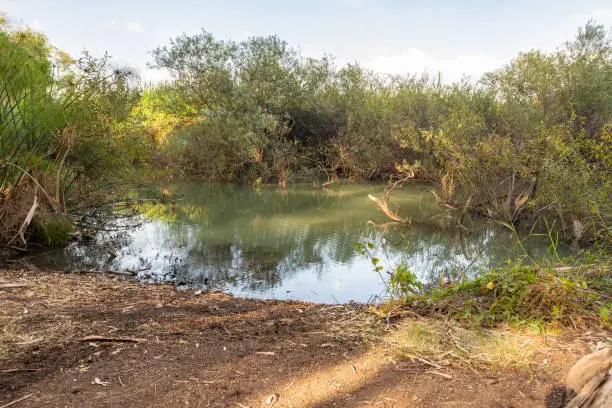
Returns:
point(159, 347)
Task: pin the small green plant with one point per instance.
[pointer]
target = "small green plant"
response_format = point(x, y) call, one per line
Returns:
point(530, 295)
point(526, 295)
point(401, 282)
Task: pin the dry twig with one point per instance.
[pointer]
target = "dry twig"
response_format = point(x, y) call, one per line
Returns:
point(18, 370)
point(25, 397)
point(14, 285)
point(112, 339)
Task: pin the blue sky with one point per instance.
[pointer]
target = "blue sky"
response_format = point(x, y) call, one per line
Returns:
point(456, 38)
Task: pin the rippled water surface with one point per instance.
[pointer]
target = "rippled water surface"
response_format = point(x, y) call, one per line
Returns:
point(297, 243)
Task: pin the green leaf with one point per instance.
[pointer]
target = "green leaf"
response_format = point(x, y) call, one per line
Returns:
point(604, 313)
point(531, 277)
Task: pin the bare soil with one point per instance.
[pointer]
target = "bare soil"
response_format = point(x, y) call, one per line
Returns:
point(195, 349)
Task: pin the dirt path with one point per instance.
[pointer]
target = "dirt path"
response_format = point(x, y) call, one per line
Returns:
point(212, 350)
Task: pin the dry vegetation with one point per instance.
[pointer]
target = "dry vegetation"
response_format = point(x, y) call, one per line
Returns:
point(163, 347)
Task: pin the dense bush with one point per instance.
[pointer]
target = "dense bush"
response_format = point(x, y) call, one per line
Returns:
point(555, 293)
point(59, 131)
point(530, 138)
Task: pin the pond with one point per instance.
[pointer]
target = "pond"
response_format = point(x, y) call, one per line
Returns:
point(297, 243)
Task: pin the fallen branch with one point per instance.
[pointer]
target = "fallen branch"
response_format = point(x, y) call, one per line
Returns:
point(16, 401)
point(111, 272)
point(25, 223)
point(18, 249)
point(450, 377)
point(123, 273)
point(382, 204)
point(14, 285)
point(51, 201)
point(428, 362)
point(18, 370)
point(112, 339)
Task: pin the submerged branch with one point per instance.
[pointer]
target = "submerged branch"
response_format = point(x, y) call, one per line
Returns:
point(384, 206)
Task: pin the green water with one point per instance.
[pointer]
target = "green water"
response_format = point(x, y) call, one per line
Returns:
point(297, 243)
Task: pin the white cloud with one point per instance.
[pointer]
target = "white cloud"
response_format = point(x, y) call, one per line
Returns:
point(415, 61)
point(135, 26)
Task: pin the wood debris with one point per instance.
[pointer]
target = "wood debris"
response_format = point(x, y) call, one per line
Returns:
point(112, 339)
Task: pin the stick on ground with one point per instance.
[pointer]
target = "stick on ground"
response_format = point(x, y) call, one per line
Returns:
point(25, 397)
point(14, 285)
point(112, 339)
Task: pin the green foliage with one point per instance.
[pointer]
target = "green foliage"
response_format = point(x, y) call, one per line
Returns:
point(30, 116)
point(220, 145)
point(533, 138)
point(573, 185)
point(530, 138)
point(242, 93)
point(524, 295)
point(401, 282)
point(518, 294)
point(61, 128)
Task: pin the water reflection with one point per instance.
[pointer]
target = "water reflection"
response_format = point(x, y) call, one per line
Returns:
point(296, 244)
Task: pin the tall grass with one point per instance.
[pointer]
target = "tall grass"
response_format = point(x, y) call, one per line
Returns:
point(57, 117)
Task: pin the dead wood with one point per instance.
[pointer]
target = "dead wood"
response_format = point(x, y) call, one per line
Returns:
point(18, 370)
point(384, 206)
point(595, 394)
point(25, 223)
point(18, 249)
point(590, 381)
point(25, 397)
point(112, 339)
point(111, 272)
point(123, 273)
point(14, 285)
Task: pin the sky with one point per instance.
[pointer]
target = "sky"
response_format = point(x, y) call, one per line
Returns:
point(455, 38)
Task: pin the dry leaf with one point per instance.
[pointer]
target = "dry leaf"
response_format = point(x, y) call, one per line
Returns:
point(99, 382)
point(272, 399)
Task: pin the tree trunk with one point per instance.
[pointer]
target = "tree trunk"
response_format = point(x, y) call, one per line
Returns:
point(282, 179)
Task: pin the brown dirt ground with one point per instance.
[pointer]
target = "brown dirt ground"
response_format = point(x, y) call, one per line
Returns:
point(212, 350)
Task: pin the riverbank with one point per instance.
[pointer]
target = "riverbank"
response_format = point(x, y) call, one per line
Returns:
point(70, 340)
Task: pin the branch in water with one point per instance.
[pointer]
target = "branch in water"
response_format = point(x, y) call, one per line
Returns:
point(394, 215)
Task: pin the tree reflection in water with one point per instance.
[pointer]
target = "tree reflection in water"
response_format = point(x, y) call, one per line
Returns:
point(298, 243)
